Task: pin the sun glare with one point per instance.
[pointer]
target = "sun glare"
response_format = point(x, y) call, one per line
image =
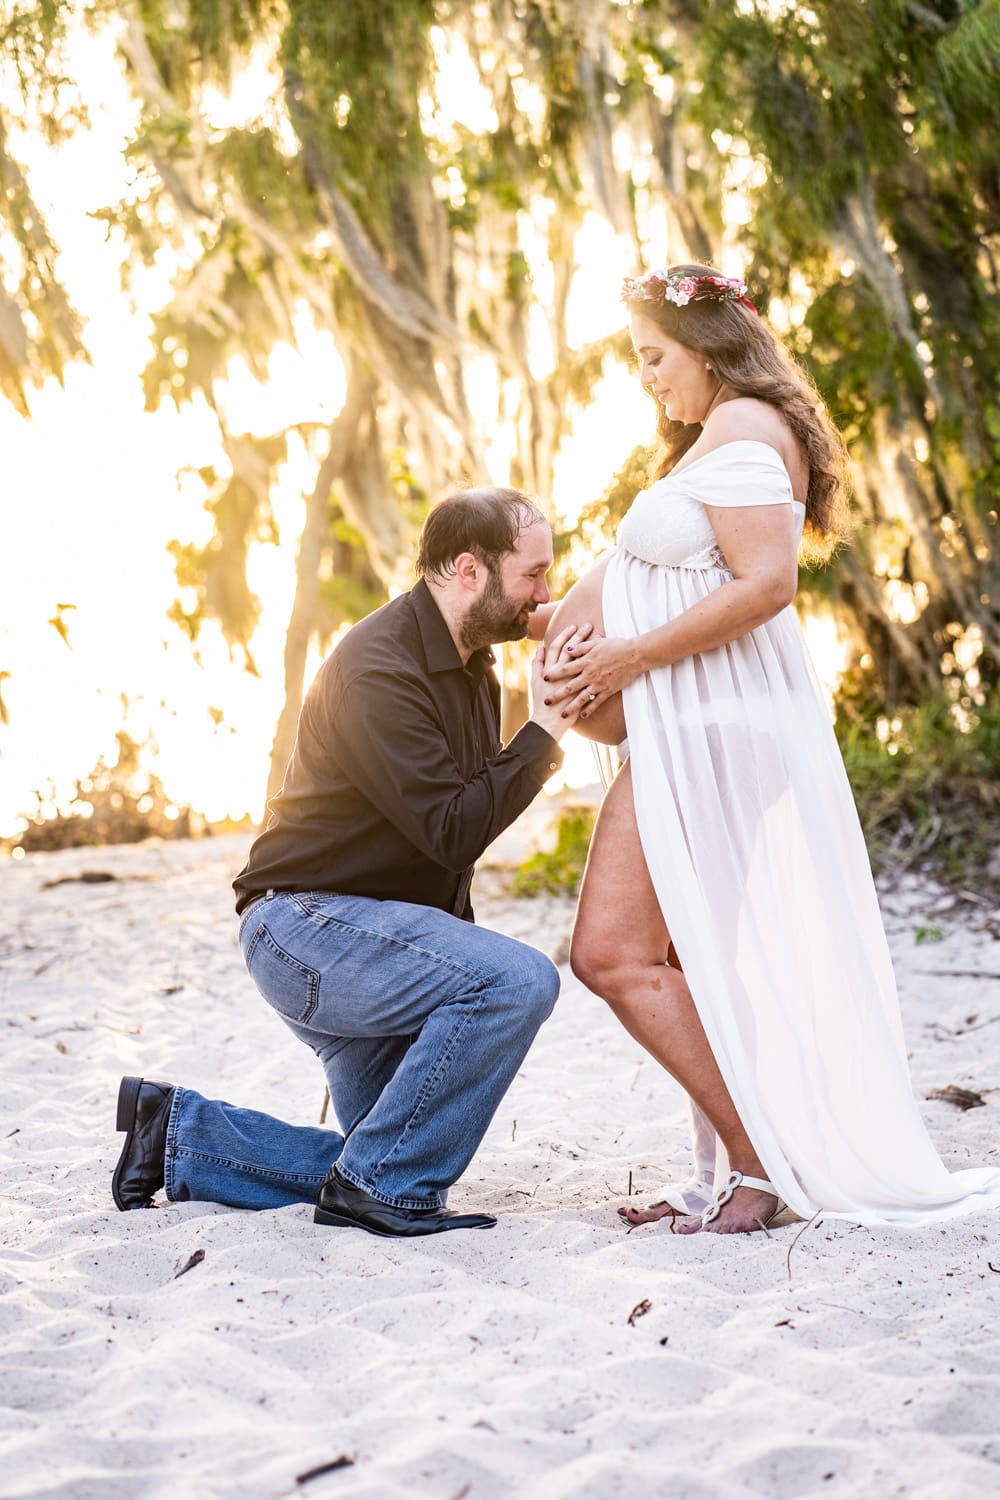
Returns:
point(104, 475)
point(96, 489)
point(828, 652)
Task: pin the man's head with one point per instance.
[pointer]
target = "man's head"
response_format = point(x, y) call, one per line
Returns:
point(484, 554)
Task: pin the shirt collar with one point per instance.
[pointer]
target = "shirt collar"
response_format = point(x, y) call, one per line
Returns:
point(439, 648)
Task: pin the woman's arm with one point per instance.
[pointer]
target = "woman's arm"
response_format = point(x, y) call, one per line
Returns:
point(760, 546)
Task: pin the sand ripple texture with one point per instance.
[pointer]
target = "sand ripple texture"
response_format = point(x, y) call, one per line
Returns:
point(558, 1357)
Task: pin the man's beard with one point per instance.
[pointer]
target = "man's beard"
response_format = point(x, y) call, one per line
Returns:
point(494, 617)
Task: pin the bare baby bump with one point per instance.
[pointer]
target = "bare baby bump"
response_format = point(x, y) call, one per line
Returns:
point(581, 605)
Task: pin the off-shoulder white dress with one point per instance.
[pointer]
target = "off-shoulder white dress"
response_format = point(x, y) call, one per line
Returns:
point(753, 844)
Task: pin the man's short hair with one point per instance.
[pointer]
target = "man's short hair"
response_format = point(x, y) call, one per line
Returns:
point(486, 522)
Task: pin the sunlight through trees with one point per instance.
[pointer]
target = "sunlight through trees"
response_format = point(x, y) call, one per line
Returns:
point(415, 178)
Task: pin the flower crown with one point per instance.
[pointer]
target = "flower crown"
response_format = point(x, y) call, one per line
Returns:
point(680, 288)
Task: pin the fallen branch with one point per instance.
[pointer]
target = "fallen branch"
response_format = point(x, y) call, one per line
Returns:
point(639, 1311)
point(340, 1462)
point(958, 974)
point(962, 1099)
point(788, 1257)
point(193, 1260)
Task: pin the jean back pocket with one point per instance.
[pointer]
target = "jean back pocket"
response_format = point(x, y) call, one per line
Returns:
point(287, 984)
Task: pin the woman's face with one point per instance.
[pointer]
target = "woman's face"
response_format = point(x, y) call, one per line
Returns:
point(677, 377)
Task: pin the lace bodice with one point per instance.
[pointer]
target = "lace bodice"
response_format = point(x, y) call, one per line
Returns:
point(667, 525)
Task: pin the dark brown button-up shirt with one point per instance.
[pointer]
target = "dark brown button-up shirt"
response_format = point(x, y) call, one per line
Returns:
point(398, 781)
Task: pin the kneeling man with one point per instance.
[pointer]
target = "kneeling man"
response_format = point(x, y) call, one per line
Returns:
point(355, 918)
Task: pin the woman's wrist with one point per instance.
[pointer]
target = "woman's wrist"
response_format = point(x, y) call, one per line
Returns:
point(644, 656)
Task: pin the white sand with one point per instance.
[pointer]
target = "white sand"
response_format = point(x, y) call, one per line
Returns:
point(864, 1363)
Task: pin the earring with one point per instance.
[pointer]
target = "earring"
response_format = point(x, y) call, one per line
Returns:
point(708, 367)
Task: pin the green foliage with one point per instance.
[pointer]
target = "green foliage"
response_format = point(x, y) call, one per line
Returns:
point(599, 520)
point(578, 373)
point(191, 354)
point(202, 39)
point(32, 45)
point(871, 130)
point(356, 75)
point(854, 357)
point(928, 795)
point(560, 871)
point(352, 589)
point(345, 600)
point(968, 57)
point(928, 798)
point(873, 122)
point(40, 332)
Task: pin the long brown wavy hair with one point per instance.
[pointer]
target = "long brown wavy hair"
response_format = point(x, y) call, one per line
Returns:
point(747, 356)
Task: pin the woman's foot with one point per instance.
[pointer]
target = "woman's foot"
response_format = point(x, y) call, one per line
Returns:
point(677, 1203)
point(745, 1204)
point(650, 1213)
point(746, 1211)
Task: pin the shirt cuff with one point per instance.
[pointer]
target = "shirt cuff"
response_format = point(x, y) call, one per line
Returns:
point(537, 749)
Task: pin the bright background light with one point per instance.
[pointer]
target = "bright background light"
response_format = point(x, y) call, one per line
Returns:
point(91, 494)
point(91, 497)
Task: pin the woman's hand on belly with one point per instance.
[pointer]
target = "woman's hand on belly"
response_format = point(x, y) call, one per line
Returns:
point(608, 665)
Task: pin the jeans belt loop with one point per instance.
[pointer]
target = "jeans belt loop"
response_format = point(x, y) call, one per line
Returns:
point(269, 893)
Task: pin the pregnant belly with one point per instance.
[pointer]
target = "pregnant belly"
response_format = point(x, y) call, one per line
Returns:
point(582, 605)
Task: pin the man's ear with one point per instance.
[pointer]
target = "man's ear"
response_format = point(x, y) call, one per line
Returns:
point(469, 571)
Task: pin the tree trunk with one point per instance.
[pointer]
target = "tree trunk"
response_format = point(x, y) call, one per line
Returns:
point(302, 621)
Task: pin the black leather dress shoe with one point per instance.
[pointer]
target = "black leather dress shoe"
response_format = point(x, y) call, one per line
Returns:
point(143, 1110)
point(347, 1206)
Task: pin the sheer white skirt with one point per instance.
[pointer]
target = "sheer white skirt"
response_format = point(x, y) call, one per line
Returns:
point(755, 852)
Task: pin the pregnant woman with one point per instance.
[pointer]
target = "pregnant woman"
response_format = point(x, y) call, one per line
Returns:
point(728, 914)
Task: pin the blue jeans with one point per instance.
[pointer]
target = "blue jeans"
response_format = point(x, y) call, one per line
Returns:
point(420, 1021)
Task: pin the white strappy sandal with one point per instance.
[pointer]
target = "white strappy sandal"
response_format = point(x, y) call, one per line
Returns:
point(682, 1202)
point(738, 1180)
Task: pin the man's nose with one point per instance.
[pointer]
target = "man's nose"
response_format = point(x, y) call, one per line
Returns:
point(541, 594)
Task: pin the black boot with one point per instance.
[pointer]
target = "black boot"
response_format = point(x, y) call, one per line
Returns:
point(143, 1111)
point(347, 1206)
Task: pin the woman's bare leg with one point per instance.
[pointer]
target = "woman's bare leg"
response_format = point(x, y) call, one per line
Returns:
point(620, 950)
point(582, 606)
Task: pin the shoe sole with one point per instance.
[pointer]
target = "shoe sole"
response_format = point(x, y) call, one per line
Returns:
point(342, 1221)
point(128, 1101)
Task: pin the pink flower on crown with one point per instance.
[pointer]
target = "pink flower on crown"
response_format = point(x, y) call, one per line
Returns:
point(687, 285)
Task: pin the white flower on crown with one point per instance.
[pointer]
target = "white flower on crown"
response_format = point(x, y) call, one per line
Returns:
point(680, 289)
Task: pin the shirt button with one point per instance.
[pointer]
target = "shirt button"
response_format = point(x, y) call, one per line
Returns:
point(553, 766)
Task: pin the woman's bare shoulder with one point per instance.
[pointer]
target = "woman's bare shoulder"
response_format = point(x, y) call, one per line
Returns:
point(745, 417)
